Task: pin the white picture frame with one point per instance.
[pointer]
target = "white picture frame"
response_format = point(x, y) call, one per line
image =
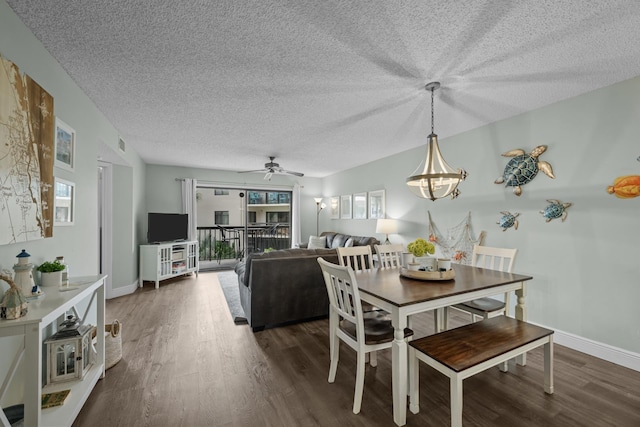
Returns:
point(377, 204)
point(64, 197)
point(334, 207)
point(345, 206)
point(360, 206)
point(64, 146)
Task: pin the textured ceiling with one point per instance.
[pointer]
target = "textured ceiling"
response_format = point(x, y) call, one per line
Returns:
point(325, 85)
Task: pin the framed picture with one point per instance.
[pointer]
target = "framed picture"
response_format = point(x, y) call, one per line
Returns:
point(360, 206)
point(334, 207)
point(376, 204)
point(65, 146)
point(64, 201)
point(345, 207)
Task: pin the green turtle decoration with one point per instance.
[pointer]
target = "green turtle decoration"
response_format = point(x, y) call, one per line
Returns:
point(556, 209)
point(508, 220)
point(523, 168)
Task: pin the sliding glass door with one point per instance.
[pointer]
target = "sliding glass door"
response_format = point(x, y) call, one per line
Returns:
point(233, 223)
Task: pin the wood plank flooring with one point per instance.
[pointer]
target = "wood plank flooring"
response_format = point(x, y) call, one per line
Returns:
point(185, 363)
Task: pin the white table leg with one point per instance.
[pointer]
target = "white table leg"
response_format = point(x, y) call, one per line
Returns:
point(33, 377)
point(521, 314)
point(399, 359)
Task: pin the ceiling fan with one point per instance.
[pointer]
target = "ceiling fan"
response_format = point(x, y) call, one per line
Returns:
point(271, 168)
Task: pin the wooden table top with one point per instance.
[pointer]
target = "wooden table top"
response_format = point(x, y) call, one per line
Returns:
point(398, 290)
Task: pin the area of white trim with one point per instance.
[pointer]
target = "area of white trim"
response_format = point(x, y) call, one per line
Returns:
point(123, 290)
point(612, 354)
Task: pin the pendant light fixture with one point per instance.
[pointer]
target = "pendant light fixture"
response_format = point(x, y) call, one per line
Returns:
point(437, 179)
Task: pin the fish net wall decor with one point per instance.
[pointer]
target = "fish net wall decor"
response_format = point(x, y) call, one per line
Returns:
point(458, 242)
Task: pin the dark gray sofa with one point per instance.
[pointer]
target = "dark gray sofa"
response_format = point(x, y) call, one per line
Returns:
point(287, 286)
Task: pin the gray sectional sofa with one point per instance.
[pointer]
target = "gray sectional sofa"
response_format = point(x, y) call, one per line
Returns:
point(287, 286)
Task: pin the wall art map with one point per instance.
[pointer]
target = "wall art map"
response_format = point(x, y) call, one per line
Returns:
point(26, 157)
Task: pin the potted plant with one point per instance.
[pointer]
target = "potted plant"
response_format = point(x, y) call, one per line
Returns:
point(51, 273)
point(419, 248)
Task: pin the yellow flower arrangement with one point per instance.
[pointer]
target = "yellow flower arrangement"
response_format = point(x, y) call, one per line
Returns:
point(419, 247)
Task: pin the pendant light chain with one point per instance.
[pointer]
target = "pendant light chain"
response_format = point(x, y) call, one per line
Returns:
point(432, 89)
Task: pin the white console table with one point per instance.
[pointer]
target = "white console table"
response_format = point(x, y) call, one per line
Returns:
point(42, 312)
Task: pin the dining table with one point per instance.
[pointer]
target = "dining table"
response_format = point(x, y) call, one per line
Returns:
point(403, 296)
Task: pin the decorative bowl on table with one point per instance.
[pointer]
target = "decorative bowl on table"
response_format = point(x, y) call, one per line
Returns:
point(428, 275)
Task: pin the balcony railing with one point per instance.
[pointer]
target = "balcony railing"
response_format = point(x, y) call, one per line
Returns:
point(227, 242)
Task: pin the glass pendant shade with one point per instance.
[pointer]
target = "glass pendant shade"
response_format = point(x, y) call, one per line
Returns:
point(437, 179)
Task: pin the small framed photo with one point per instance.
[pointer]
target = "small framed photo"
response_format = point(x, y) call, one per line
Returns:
point(360, 206)
point(376, 204)
point(334, 207)
point(345, 207)
point(65, 146)
point(64, 201)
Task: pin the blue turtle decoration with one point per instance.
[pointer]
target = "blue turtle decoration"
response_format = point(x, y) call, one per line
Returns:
point(508, 220)
point(556, 209)
point(523, 168)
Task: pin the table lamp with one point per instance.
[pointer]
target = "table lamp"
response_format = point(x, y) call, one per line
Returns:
point(386, 226)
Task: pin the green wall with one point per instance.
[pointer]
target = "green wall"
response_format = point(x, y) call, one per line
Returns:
point(586, 269)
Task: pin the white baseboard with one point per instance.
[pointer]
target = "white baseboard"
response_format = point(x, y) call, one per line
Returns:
point(612, 354)
point(123, 290)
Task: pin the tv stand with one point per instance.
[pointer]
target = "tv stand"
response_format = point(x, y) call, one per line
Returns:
point(162, 261)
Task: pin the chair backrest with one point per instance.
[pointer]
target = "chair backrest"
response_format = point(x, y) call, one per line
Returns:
point(390, 256)
point(344, 295)
point(501, 259)
point(356, 257)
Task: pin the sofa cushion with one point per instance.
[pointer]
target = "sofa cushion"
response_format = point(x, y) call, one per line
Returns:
point(338, 240)
point(316, 242)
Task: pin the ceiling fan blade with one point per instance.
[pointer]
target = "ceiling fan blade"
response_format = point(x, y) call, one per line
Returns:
point(268, 176)
point(254, 171)
point(293, 173)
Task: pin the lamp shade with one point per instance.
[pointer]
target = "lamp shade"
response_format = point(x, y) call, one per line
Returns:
point(386, 226)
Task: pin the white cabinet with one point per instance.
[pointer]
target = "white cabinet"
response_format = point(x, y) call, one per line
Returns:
point(44, 311)
point(167, 260)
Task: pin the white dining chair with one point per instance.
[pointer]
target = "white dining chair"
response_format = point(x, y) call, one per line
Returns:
point(491, 258)
point(389, 256)
point(357, 257)
point(348, 324)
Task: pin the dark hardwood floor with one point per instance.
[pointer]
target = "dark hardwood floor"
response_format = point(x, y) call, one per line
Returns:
point(185, 363)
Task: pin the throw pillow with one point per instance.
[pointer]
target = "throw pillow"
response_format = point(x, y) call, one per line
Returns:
point(316, 242)
point(348, 243)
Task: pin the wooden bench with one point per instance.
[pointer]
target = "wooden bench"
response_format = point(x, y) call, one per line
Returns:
point(462, 352)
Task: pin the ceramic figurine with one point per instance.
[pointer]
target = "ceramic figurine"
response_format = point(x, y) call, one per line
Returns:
point(523, 168)
point(556, 209)
point(625, 187)
point(508, 220)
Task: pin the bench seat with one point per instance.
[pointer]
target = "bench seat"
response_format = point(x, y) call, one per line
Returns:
point(465, 351)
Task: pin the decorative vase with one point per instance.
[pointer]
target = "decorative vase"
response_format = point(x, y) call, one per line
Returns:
point(427, 262)
point(51, 279)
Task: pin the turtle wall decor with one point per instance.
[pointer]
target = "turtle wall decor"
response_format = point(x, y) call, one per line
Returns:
point(556, 209)
point(508, 220)
point(523, 168)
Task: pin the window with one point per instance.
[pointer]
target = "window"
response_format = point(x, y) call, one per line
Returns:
point(220, 192)
point(222, 217)
point(252, 217)
point(278, 217)
point(256, 198)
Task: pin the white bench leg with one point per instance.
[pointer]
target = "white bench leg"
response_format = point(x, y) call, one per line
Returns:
point(456, 401)
point(414, 381)
point(548, 366)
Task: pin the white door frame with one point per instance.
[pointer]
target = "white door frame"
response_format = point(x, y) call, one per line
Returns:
point(105, 223)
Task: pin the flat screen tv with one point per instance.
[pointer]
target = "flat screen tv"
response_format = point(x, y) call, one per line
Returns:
point(167, 227)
